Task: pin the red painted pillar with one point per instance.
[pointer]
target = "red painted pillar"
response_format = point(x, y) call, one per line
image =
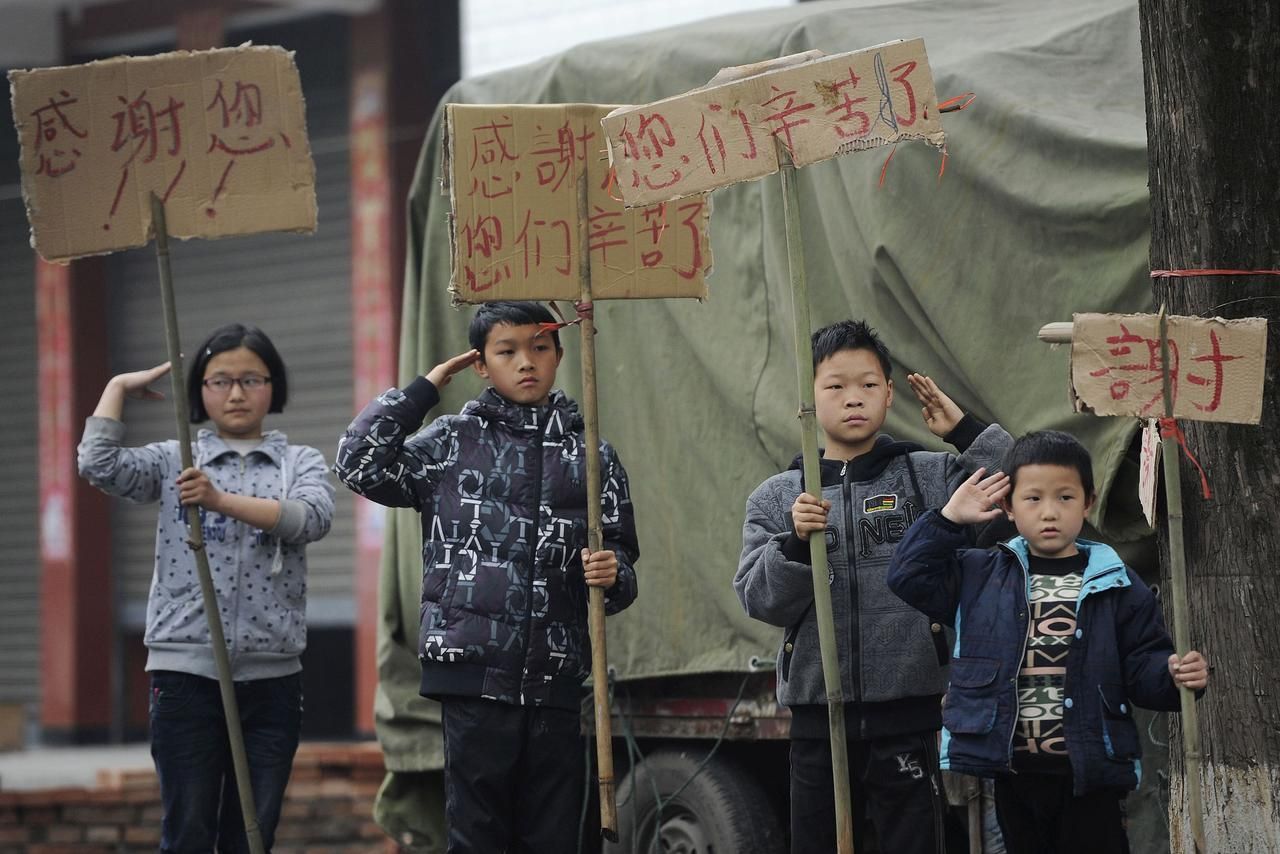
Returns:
point(403, 57)
point(76, 621)
point(376, 321)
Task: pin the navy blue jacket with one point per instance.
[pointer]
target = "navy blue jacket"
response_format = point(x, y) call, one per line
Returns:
point(1119, 655)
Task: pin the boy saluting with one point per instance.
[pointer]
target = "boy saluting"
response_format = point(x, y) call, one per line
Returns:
point(503, 639)
point(891, 657)
point(1056, 637)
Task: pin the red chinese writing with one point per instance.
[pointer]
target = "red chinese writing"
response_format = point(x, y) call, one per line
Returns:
point(850, 123)
point(782, 116)
point(694, 216)
point(1138, 371)
point(491, 147)
point(140, 123)
point(239, 129)
point(482, 238)
point(653, 225)
point(239, 121)
point(146, 128)
point(534, 166)
point(57, 157)
point(603, 227)
point(646, 144)
point(903, 71)
point(560, 153)
point(714, 148)
point(559, 246)
point(823, 110)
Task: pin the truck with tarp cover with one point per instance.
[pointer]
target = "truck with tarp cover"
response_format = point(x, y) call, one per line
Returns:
point(1038, 209)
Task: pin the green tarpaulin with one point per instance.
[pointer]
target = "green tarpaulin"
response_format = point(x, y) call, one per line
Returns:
point(1042, 211)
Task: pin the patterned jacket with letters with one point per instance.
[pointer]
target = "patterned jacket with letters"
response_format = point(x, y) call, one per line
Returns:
point(502, 492)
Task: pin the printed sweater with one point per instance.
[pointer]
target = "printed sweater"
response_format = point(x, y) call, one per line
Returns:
point(263, 611)
point(892, 658)
point(502, 492)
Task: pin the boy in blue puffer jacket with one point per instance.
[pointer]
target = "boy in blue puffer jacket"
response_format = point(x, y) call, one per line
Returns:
point(1055, 639)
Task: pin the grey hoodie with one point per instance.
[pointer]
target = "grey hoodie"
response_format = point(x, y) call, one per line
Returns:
point(888, 651)
point(260, 576)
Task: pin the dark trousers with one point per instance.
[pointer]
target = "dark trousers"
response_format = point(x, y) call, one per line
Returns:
point(513, 777)
point(193, 757)
point(1039, 815)
point(894, 780)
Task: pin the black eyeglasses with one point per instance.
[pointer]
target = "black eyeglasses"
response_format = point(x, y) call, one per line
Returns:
point(249, 383)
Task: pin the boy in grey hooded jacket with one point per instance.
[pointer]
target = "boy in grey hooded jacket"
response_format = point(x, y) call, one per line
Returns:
point(892, 659)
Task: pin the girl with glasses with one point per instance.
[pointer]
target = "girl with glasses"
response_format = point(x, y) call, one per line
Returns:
point(261, 501)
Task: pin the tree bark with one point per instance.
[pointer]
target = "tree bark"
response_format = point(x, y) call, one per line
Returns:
point(1212, 75)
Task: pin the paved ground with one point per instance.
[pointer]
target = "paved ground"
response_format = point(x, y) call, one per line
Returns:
point(64, 767)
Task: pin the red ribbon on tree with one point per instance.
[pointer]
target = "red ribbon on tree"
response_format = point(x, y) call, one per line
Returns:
point(1191, 274)
point(1169, 429)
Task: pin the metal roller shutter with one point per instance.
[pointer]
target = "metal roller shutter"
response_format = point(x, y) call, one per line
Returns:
point(297, 289)
point(19, 488)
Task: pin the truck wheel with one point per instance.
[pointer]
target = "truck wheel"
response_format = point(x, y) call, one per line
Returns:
point(721, 811)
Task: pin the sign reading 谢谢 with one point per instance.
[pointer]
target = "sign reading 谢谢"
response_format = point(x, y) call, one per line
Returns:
point(512, 173)
point(814, 106)
point(1216, 366)
point(219, 135)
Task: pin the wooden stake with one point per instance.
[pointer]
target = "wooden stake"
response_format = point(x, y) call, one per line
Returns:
point(1181, 620)
point(813, 484)
point(195, 532)
point(595, 538)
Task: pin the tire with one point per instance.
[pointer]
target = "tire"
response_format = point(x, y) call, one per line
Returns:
point(722, 810)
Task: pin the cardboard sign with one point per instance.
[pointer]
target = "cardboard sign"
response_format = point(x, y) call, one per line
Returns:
point(815, 106)
point(1216, 366)
point(512, 174)
point(1149, 470)
point(219, 135)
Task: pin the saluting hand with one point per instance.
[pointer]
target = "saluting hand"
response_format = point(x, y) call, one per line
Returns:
point(443, 372)
point(135, 383)
point(978, 499)
point(939, 412)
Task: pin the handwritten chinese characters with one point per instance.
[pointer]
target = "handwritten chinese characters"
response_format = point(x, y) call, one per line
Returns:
point(513, 175)
point(1215, 366)
point(813, 109)
point(219, 136)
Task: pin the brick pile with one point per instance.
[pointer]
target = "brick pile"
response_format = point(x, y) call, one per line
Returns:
point(328, 809)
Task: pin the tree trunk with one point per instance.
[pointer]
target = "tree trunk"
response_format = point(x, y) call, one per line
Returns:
point(1213, 134)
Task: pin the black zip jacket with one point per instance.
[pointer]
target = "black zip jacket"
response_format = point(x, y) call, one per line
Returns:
point(503, 497)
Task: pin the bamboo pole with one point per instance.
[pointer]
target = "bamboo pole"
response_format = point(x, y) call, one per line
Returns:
point(1181, 620)
point(195, 533)
point(813, 481)
point(595, 536)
